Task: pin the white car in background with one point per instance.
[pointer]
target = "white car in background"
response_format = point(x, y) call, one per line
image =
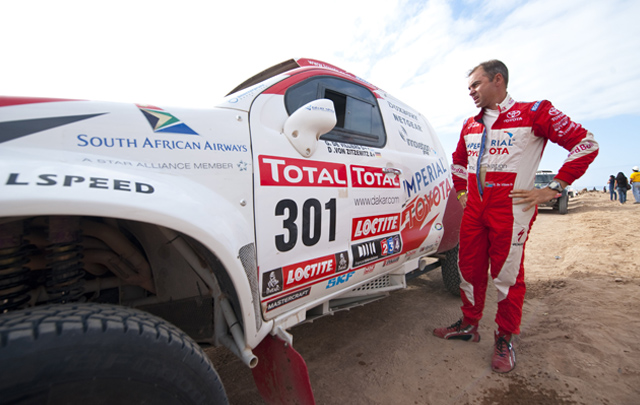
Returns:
point(561, 200)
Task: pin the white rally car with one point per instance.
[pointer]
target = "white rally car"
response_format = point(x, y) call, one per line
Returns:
point(130, 232)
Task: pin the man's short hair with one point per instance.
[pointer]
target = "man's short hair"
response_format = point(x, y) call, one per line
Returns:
point(491, 68)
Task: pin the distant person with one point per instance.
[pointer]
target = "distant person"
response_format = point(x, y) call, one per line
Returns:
point(494, 168)
point(634, 179)
point(622, 185)
point(612, 188)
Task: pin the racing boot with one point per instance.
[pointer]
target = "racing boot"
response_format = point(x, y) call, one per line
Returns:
point(504, 356)
point(459, 330)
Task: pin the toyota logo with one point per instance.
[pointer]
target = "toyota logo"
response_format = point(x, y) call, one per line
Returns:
point(513, 114)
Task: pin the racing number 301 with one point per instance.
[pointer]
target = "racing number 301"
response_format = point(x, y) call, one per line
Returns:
point(311, 222)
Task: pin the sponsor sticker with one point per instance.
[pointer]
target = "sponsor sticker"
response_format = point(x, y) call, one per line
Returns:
point(367, 252)
point(287, 299)
point(367, 227)
point(372, 177)
point(290, 172)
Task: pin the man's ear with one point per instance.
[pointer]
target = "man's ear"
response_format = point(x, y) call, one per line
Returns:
point(498, 79)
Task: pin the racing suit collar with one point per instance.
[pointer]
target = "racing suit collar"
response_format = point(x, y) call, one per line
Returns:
point(504, 106)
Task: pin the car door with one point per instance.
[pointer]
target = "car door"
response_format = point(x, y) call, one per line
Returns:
point(328, 221)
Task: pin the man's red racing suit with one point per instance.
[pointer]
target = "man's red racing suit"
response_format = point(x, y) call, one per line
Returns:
point(493, 229)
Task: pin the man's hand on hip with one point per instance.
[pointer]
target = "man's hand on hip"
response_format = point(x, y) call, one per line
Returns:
point(532, 197)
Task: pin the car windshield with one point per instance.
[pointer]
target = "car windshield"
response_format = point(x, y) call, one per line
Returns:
point(544, 178)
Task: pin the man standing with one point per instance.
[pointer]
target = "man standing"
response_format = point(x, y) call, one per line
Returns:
point(494, 167)
point(634, 179)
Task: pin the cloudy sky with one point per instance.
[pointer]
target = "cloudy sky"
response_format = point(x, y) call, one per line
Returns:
point(583, 55)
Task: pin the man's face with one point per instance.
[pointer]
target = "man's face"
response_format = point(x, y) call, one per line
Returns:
point(484, 92)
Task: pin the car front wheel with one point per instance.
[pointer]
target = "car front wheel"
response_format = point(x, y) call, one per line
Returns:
point(563, 204)
point(101, 354)
point(450, 271)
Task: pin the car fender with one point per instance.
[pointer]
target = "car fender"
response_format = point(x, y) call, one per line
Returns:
point(221, 220)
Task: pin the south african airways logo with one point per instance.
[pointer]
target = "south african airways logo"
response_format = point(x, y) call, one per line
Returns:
point(162, 121)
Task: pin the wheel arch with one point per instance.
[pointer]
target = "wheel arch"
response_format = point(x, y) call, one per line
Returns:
point(213, 223)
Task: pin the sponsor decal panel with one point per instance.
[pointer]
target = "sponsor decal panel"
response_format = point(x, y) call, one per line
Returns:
point(415, 227)
point(278, 281)
point(288, 299)
point(374, 250)
point(272, 282)
point(425, 148)
point(310, 271)
point(68, 181)
point(377, 200)
point(405, 117)
point(339, 280)
point(369, 269)
point(240, 166)
point(427, 177)
point(86, 141)
point(163, 121)
point(290, 172)
point(372, 177)
point(367, 227)
point(349, 149)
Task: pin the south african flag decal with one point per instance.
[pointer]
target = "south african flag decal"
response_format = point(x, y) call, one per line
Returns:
point(162, 121)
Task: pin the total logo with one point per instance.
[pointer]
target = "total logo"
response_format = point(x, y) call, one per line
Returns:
point(372, 177)
point(280, 171)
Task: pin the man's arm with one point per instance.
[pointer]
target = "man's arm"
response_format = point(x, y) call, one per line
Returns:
point(557, 127)
point(554, 125)
point(459, 167)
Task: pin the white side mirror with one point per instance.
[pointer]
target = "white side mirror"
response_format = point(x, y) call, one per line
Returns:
point(305, 126)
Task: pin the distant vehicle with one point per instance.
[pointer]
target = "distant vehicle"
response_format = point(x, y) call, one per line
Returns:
point(571, 192)
point(561, 201)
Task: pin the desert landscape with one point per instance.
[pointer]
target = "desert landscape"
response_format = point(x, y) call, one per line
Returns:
point(580, 341)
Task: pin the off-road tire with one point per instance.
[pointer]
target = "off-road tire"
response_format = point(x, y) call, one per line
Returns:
point(563, 204)
point(101, 354)
point(450, 271)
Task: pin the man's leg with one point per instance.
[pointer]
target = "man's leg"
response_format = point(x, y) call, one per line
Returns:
point(508, 237)
point(473, 264)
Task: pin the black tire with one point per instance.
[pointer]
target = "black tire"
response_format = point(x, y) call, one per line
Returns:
point(563, 204)
point(450, 271)
point(101, 354)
